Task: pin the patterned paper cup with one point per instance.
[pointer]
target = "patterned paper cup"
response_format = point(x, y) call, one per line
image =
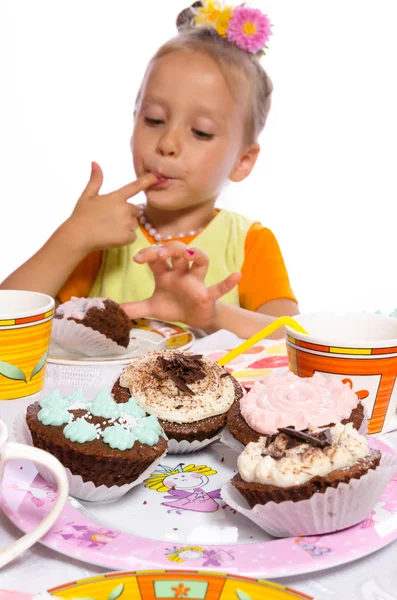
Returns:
point(358, 348)
point(25, 330)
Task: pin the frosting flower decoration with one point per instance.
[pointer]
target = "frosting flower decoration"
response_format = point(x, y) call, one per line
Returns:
point(249, 29)
point(213, 14)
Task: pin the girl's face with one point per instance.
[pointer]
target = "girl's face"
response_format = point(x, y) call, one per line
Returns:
point(186, 481)
point(189, 130)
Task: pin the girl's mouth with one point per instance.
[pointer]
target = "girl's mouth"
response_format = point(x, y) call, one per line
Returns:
point(162, 181)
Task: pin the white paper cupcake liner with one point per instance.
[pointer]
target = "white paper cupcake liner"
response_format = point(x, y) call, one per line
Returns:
point(228, 439)
point(185, 447)
point(77, 487)
point(78, 339)
point(336, 509)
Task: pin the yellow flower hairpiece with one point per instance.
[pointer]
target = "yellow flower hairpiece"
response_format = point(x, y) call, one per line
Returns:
point(247, 28)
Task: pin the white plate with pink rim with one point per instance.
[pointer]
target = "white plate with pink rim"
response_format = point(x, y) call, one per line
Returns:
point(179, 521)
point(146, 335)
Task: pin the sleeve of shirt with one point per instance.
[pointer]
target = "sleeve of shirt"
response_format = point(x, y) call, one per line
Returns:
point(264, 276)
point(81, 280)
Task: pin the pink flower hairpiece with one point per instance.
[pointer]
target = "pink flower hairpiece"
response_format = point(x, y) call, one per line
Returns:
point(248, 28)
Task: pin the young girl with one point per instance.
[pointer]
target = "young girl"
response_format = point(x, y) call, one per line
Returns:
point(202, 104)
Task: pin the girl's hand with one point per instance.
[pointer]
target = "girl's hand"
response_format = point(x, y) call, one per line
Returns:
point(180, 292)
point(105, 221)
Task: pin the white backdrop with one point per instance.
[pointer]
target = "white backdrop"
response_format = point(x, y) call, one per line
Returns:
point(325, 182)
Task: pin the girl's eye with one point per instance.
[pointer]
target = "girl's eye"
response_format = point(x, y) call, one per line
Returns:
point(202, 134)
point(153, 122)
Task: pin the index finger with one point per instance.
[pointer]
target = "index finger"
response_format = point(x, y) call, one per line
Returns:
point(132, 189)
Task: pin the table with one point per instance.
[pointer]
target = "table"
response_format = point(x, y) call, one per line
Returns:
point(370, 578)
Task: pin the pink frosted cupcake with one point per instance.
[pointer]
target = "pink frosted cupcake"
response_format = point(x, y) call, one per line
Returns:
point(289, 400)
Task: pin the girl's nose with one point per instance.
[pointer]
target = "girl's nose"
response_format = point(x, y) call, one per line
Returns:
point(169, 144)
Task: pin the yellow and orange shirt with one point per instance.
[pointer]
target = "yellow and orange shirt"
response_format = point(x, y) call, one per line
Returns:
point(233, 243)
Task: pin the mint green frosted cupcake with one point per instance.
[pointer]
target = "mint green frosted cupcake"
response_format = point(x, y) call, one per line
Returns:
point(107, 448)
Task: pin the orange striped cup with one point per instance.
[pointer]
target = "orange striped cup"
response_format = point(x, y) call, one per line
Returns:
point(358, 348)
point(25, 330)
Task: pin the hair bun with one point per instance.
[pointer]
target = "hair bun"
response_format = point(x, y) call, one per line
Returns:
point(184, 19)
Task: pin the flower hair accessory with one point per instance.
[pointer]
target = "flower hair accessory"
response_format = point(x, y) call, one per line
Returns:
point(245, 27)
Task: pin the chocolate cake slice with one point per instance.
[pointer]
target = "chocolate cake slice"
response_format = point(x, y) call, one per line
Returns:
point(101, 314)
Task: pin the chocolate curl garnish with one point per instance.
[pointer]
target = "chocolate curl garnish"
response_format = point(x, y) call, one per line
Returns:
point(179, 383)
point(162, 362)
point(184, 368)
point(321, 439)
point(157, 376)
point(276, 445)
point(226, 374)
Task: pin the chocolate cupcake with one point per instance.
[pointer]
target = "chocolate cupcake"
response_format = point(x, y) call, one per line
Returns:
point(92, 327)
point(309, 482)
point(294, 465)
point(106, 447)
point(297, 401)
point(189, 393)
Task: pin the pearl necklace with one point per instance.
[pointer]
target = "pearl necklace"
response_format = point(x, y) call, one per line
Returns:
point(152, 231)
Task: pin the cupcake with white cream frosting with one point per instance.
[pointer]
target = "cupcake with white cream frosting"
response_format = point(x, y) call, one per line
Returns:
point(304, 483)
point(189, 393)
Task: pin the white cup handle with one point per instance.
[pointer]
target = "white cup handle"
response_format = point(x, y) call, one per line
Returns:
point(11, 451)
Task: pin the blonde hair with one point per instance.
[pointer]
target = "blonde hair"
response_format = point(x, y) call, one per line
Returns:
point(156, 480)
point(242, 70)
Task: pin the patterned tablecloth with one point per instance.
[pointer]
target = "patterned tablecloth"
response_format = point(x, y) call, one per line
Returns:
point(257, 363)
point(370, 578)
